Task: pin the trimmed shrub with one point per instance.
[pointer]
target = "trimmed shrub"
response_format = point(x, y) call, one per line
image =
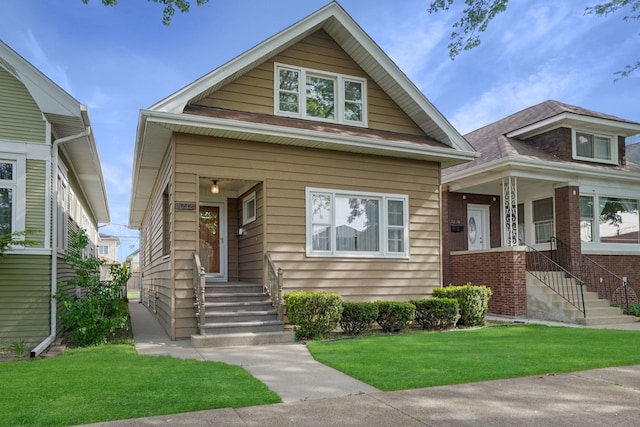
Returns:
point(635, 309)
point(314, 314)
point(357, 317)
point(395, 316)
point(473, 300)
point(437, 313)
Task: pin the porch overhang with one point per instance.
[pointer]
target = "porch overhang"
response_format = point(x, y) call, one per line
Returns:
point(487, 178)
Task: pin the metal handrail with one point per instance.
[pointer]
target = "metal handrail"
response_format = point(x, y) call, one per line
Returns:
point(274, 280)
point(556, 277)
point(603, 281)
point(199, 291)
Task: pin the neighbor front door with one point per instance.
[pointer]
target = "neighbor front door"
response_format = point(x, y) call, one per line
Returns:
point(477, 227)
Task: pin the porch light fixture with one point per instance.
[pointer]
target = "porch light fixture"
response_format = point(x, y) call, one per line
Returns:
point(214, 187)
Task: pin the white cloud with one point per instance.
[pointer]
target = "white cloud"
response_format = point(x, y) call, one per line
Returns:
point(502, 100)
point(39, 58)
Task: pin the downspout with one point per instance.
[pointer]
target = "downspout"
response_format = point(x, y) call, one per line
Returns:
point(54, 237)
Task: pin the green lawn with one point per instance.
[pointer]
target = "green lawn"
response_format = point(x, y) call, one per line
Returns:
point(437, 358)
point(112, 382)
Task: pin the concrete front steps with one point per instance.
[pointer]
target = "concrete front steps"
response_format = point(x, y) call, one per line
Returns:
point(239, 314)
point(545, 304)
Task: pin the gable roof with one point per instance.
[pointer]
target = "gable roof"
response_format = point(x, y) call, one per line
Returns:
point(70, 124)
point(160, 120)
point(502, 140)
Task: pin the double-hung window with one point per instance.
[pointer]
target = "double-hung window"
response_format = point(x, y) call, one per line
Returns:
point(543, 219)
point(7, 196)
point(320, 95)
point(356, 224)
point(594, 147)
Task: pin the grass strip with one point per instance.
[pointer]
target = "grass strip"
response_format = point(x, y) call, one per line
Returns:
point(428, 359)
point(112, 382)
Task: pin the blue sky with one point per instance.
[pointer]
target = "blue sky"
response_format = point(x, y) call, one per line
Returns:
point(118, 60)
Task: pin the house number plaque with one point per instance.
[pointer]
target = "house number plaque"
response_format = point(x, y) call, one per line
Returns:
point(185, 206)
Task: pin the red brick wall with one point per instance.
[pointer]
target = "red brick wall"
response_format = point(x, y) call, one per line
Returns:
point(624, 266)
point(454, 214)
point(503, 270)
point(557, 141)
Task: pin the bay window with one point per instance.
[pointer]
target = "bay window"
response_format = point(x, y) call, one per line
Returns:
point(319, 95)
point(353, 224)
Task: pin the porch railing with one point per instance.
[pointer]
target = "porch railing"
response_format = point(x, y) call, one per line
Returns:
point(597, 278)
point(199, 290)
point(556, 277)
point(274, 279)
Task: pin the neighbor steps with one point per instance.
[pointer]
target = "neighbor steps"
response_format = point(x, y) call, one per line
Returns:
point(543, 303)
point(238, 313)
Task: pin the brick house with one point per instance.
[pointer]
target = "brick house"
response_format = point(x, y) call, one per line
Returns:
point(552, 179)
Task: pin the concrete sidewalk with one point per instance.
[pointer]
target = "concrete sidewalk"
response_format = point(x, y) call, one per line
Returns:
point(325, 397)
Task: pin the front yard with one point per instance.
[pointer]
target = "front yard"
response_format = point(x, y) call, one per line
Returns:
point(429, 359)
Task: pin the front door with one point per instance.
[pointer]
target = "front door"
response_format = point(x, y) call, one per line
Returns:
point(477, 227)
point(211, 245)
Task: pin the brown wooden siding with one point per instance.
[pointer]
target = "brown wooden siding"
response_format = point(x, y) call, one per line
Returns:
point(254, 92)
point(250, 246)
point(286, 172)
point(156, 268)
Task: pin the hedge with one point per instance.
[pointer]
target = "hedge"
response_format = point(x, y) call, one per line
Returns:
point(313, 314)
point(395, 316)
point(358, 317)
point(473, 300)
point(437, 313)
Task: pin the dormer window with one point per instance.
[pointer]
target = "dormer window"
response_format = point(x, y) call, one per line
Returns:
point(319, 95)
point(594, 147)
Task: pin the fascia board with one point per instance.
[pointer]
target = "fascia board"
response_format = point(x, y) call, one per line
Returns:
point(392, 148)
point(574, 120)
point(49, 97)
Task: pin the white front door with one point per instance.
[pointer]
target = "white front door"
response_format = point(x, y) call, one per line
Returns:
point(478, 227)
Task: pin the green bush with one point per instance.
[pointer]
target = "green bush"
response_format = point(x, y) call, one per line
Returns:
point(314, 314)
point(437, 313)
point(395, 316)
point(635, 309)
point(98, 313)
point(473, 300)
point(357, 317)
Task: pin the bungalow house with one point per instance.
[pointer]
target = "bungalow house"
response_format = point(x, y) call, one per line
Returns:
point(310, 161)
point(552, 189)
point(50, 181)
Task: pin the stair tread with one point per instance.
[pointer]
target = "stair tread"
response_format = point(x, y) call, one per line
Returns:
point(242, 324)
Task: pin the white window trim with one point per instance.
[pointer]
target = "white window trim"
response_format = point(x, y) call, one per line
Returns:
point(596, 246)
point(614, 147)
point(339, 96)
point(247, 216)
point(18, 185)
point(537, 245)
point(384, 226)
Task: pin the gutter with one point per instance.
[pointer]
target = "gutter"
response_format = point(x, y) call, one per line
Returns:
point(54, 238)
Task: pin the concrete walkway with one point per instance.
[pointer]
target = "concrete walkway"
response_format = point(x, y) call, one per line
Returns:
point(316, 395)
